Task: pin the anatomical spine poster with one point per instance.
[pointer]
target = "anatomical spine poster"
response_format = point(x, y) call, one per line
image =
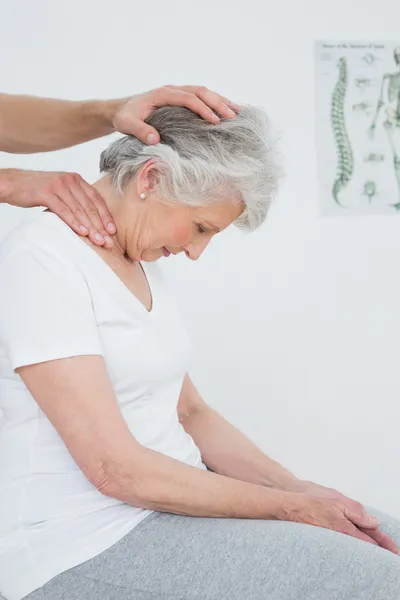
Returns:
point(358, 127)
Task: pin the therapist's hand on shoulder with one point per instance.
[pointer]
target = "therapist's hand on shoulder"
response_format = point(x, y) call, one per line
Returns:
point(67, 195)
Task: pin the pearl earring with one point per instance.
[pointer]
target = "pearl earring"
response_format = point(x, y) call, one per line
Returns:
point(143, 196)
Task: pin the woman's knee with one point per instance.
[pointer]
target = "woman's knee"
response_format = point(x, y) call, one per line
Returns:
point(356, 569)
point(279, 557)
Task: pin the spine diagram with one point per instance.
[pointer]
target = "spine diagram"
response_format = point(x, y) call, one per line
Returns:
point(343, 147)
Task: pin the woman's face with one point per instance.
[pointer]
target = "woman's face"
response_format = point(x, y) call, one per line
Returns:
point(163, 228)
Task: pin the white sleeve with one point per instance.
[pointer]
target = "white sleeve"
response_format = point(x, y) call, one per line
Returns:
point(46, 310)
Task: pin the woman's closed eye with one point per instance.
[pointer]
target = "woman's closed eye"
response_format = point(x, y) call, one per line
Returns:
point(200, 228)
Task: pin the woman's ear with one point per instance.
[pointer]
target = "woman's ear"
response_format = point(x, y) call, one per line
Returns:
point(147, 177)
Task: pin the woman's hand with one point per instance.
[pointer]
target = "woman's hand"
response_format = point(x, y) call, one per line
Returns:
point(325, 507)
point(67, 195)
point(129, 115)
point(320, 491)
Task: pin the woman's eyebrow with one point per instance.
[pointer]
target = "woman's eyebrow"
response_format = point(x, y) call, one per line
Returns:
point(211, 226)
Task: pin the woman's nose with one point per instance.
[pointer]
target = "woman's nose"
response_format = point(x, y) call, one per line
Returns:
point(195, 250)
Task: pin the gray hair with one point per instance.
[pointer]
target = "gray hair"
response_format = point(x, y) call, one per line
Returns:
point(198, 162)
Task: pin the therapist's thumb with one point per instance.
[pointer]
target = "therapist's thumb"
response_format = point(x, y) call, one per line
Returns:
point(145, 133)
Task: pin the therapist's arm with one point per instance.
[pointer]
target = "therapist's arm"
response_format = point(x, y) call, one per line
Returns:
point(77, 396)
point(30, 124)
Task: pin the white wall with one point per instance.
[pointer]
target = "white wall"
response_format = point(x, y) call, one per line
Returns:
point(297, 326)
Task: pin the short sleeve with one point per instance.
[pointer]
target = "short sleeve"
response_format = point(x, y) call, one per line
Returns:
point(46, 311)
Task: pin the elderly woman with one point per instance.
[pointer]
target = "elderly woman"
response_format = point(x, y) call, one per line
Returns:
point(117, 481)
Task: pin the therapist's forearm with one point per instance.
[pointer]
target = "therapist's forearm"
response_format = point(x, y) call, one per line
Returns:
point(30, 124)
point(227, 451)
point(5, 184)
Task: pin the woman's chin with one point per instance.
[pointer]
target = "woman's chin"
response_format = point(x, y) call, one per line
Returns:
point(151, 255)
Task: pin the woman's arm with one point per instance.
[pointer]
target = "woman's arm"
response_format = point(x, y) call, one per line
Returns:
point(77, 396)
point(225, 449)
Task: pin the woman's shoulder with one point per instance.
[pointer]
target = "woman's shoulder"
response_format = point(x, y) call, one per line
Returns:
point(43, 232)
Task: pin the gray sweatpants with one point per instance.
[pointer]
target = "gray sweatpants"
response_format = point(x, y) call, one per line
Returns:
point(170, 557)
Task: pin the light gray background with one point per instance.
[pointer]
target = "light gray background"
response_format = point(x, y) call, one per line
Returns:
point(297, 326)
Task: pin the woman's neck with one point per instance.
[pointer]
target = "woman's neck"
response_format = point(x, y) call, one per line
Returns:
point(115, 205)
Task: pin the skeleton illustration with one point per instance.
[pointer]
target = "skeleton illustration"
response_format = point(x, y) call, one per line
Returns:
point(390, 99)
point(369, 58)
point(363, 83)
point(343, 146)
point(369, 190)
point(374, 157)
point(361, 107)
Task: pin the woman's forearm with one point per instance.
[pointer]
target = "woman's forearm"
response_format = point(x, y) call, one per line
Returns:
point(158, 482)
point(227, 451)
point(30, 124)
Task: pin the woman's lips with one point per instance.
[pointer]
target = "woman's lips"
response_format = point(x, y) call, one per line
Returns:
point(166, 252)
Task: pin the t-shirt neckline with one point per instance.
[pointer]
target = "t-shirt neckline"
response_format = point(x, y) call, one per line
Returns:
point(115, 281)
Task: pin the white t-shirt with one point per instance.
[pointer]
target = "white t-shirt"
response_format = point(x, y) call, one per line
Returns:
point(58, 299)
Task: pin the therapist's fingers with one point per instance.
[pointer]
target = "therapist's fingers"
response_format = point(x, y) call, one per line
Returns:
point(86, 212)
point(81, 207)
point(219, 104)
point(95, 200)
point(95, 205)
point(200, 100)
point(59, 208)
point(131, 115)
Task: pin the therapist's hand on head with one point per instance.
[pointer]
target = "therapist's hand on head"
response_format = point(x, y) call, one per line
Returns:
point(32, 126)
point(130, 115)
